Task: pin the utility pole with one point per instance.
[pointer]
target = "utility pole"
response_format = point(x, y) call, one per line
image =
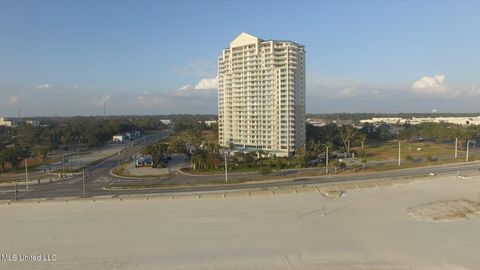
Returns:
point(78, 158)
point(83, 180)
point(226, 168)
point(118, 160)
point(399, 160)
point(348, 147)
point(468, 146)
point(15, 196)
point(63, 165)
point(26, 173)
point(456, 147)
point(326, 162)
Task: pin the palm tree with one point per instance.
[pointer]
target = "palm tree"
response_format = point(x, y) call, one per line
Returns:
point(362, 138)
point(364, 163)
point(3, 158)
point(198, 162)
point(335, 163)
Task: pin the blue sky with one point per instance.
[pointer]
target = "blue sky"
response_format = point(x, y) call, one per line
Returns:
point(159, 57)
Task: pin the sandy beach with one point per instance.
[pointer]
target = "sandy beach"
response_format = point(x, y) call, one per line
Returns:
point(428, 224)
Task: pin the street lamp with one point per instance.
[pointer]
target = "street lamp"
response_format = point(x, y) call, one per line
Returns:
point(399, 159)
point(226, 164)
point(456, 147)
point(326, 157)
point(26, 173)
point(468, 146)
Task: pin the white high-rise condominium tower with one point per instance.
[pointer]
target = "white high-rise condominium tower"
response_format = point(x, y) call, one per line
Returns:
point(261, 95)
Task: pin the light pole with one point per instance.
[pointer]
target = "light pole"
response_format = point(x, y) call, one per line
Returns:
point(83, 180)
point(326, 157)
point(456, 147)
point(468, 146)
point(399, 159)
point(26, 173)
point(348, 148)
point(118, 160)
point(226, 164)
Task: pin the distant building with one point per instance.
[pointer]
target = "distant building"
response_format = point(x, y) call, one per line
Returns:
point(208, 123)
point(386, 120)
point(166, 121)
point(144, 161)
point(34, 123)
point(118, 138)
point(261, 95)
point(316, 122)
point(419, 120)
point(128, 136)
point(8, 122)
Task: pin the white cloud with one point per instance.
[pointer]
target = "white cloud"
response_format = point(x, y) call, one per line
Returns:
point(207, 84)
point(44, 87)
point(99, 101)
point(434, 85)
point(436, 81)
point(13, 100)
point(186, 87)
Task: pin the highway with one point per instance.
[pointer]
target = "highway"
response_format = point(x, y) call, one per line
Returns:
point(98, 179)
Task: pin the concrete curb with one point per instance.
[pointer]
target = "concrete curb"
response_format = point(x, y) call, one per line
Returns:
point(138, 177)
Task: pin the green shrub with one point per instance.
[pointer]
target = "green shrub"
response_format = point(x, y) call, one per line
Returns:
point(265, 170)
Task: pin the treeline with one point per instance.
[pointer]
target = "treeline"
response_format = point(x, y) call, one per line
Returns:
point(440, 132)
point(28, 141)
point(342, 136)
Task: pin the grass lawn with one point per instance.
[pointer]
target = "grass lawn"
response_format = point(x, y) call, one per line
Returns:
point(417, 150)
point(32, 164)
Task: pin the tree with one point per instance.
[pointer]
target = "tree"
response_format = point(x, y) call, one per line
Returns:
point(347, 133)
point(3, 157)
point(335, 163)
point(198, 161)
point(15, 156)
point(213, 161)
point(364, 164)
point(41, 151)
point(300, 158)
point(178, 146)
point(362, 137)
point(157, 151)
point(279, 164)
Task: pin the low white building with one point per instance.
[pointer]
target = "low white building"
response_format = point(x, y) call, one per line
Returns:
point(118, 138)
point(420, 120)
point(208, 123)
point(8, 122)
point(451, 120)
point(386, 120)
point(166, 121)
point(34, 123)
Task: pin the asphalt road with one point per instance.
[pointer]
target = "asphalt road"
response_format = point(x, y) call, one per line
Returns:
point(98, 178)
